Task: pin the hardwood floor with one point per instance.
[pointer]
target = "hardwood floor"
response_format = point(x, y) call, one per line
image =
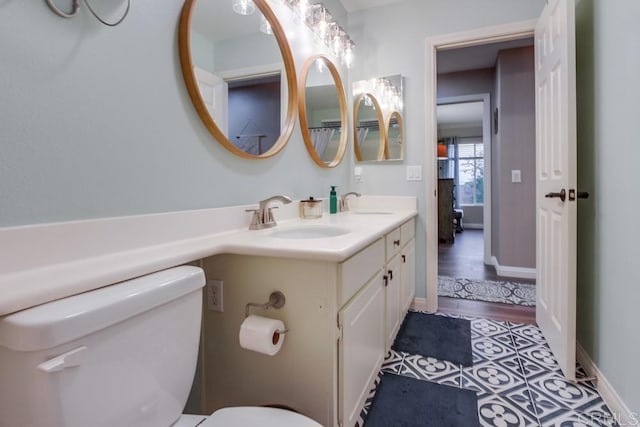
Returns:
point(464, 258)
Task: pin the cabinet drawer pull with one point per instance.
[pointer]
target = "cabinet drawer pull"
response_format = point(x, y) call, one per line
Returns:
point(396, 242)
point(390, 274)
point(404, 258)
point(386, 280)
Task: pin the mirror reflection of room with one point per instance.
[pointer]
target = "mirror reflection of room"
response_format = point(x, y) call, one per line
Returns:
point(384, 95)
point(323, 112)
point(368, 132)
point(242, 92)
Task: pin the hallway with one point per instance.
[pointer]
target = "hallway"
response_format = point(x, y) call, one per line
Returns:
point(464, 258)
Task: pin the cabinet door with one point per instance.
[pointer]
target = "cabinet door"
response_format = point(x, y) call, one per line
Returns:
point(361, 349)
point(408, 281)
point(393, 291)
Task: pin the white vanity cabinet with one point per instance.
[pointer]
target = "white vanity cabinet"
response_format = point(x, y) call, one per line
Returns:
point(408, 266)
point(399, 278)
point(338, 315)
point(361, 348)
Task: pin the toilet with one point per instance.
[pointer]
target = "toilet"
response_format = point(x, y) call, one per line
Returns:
point(119, 356)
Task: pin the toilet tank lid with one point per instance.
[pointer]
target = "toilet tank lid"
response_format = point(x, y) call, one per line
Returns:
point(61, 321)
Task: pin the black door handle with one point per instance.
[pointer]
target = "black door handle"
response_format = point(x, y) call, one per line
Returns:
point(562, 195)
point(580, 195)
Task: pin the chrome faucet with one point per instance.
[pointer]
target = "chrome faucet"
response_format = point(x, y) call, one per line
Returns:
point(343, 206)
point(263, 216)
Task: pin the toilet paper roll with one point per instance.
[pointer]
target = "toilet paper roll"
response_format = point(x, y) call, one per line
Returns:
point(260, 334)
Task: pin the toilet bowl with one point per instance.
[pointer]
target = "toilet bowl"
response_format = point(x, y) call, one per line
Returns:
point(122, 355)
point(243, 416)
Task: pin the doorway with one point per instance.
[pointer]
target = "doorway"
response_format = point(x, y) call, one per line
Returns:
point(555, 174)
point(437, 51)
point(470, 141)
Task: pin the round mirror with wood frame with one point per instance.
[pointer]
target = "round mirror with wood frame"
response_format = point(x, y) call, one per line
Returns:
point(368, 128)
point(286, 120)
point(321, 93)
point(394, 138)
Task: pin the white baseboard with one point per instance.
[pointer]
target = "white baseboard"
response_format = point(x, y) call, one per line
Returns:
point(619, 410)
point(420, 304)
point(508, 271)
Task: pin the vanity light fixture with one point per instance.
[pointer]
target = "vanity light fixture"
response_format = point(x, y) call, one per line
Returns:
point(76, 5)
point(302, 9)
point(384, 91)
point(347, 53)
point(244, 7)
point(319, 20)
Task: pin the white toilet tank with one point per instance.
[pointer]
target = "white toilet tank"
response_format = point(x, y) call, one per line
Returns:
point(123, 355)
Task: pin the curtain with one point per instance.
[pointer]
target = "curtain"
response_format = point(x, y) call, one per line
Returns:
point(451, 165)
point(362, 135)
point(321, 138)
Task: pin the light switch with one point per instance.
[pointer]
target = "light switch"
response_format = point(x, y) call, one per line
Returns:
point(414, 173)
point(357, 173)
point(516, 176)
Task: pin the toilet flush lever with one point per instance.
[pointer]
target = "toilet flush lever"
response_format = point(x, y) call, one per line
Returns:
point(66, 360)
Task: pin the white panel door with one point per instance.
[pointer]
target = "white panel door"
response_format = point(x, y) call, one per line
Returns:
point(215, 93)
point(556, 220)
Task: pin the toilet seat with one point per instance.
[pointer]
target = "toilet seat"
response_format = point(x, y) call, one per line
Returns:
point(243, 416)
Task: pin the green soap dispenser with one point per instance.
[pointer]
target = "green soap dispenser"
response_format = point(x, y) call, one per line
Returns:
point(333, 200)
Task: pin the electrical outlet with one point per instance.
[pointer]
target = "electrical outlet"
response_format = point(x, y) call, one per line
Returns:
point(214, 295)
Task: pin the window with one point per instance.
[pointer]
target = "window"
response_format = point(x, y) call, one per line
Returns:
point(470, 179)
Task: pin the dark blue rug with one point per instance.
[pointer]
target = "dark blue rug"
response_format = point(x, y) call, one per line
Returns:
point(445, 338)
point(407, 402)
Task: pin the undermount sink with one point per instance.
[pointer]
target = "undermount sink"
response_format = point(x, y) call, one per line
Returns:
point(309, 232)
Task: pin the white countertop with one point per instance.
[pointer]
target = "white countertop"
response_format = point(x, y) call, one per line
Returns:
point(45, 262)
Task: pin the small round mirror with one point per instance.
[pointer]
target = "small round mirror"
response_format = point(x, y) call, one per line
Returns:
point(240, 75)
point(368, 128)
point(322, 107)
point(394, 147)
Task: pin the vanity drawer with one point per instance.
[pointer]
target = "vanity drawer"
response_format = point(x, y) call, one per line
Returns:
point(393, 243)
point(407, 231)
point(357, 270)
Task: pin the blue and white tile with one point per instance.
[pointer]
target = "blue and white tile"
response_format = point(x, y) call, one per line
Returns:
point(488, 328)
point(539, 355)
point(530, 333)
point(494, 376)
point(488, 348)
point(552, 394)
point(500, 411)
point(431, 369)
point(392, 362)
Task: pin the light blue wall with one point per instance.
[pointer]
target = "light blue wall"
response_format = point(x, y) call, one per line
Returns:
point(608, 66)
point(96, 122)
point(391, 40)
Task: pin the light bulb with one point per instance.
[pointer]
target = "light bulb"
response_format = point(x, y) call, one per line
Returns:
point(302, 9)
point(244, 7)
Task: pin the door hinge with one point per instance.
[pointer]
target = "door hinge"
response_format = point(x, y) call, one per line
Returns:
point(340, 333)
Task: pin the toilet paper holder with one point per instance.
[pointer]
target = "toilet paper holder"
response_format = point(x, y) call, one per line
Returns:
point(276, 300)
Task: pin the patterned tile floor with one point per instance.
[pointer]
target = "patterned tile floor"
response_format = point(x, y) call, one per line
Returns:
point(516, 377)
